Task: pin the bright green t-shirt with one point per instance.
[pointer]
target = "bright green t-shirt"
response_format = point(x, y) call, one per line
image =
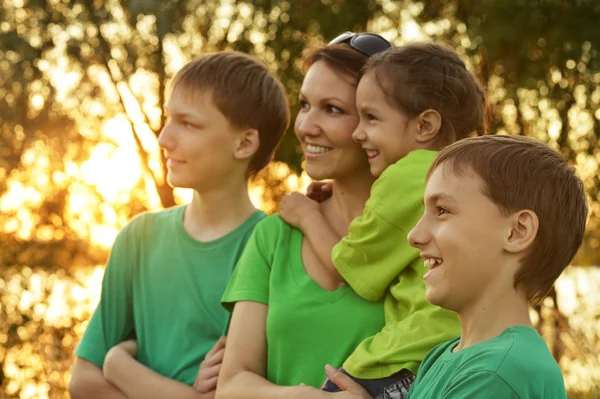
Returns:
point(167, 287)
point(307, 326)
point(514, 365)
point(377, 261)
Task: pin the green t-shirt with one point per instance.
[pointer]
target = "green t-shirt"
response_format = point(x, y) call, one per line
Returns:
point(514, 365)
point(377, 261)
point(165, 286)
point(307, 326)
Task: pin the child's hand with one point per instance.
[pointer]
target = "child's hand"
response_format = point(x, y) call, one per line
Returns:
point(319, 191)
point(296, 208)
point(206, 381)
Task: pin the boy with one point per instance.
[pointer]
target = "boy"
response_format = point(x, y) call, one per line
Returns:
point(167, 270)
point(503, 217)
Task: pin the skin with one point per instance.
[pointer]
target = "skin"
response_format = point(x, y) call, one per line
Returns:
point(204, 153)
point(324, 127)
point(480, 250)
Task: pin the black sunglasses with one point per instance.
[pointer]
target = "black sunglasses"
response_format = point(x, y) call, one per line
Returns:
point(367, 43)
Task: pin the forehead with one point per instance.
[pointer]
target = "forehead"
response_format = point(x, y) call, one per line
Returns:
point(322, 79)
point(185, 97)
point(445, 179)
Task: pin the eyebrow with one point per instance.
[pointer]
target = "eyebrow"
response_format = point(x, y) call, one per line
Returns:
point(439, 196)
point(326, 99)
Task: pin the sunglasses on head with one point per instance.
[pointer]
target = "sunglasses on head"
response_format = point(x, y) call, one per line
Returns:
point(367, 43)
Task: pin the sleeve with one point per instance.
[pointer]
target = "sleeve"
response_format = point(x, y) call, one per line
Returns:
point(479, 385)
point(250, 280)
point(376, 249)
point(112, 321)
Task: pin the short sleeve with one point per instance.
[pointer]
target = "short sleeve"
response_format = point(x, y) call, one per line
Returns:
point(250, 280)
point(479, 385)
point(112, 321)
point(376, 249)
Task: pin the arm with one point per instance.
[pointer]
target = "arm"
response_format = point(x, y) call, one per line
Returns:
point(88, 382)
point(243, 374)
point(111, 323)
point(376, 249)
point(304, 214)
point(138, 381)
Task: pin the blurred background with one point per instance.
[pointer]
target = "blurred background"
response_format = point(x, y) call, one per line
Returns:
point(82, 85)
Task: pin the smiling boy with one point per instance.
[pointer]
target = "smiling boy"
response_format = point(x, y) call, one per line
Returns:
point(503, 217)
point(168, 270)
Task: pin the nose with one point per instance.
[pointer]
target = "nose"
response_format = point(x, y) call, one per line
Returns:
point(359, 134)
point(418, 237)
point(166, 138)
point(307, 124)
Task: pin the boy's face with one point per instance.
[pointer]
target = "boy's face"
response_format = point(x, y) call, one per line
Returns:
point(461, 237)
point(199, 142)
point(385, 132)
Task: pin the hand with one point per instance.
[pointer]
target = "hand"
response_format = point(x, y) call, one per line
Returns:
point(319, 191)
point(296, 208)
point(350, 388)
point(206, 381)
point(130, 346)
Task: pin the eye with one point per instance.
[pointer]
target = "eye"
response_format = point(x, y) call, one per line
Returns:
point(441, 211)
point(188, 125)
point(304, 104)
point(371, 117)
point(333, 110)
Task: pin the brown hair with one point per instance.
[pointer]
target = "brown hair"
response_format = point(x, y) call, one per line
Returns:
point(523, 173)
point(245, 92)
point(340, 57)
point(421, 76)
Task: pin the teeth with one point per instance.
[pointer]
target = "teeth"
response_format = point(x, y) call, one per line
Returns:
point(317, 149)
point(372, 153)
point(431, 262)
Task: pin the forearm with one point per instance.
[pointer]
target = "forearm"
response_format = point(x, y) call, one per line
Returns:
point(88, 382)
point(322, 238)
point(138, 381)
point(248, 385)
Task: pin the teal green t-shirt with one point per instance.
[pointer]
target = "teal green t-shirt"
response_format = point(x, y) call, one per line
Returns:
point(514, 365)
point(376, 260)
point(167, 287)
point(307, 326)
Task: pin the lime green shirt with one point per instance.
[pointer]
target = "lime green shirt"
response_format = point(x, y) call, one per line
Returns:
point(165, 286)
point(514, 365)
point(307, 327)
point(377, 261)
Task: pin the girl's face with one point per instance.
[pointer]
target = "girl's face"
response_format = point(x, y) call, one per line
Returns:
point(325, 124)
point(385, 132)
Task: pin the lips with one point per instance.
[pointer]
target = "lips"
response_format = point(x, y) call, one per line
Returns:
point(372, 153)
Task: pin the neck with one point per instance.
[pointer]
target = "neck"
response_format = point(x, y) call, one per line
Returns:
point(347, 201)
point(490, 316)
point(216, 212)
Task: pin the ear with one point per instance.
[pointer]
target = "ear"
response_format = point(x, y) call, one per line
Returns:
point(429, 123)
point(523, 231)
point(246, 145)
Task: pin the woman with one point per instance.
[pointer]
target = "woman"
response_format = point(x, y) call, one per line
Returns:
point(291, 318)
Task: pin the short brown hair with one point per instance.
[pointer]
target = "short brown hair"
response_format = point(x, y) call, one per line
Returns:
point(340, 57)
point(421, 76)
point(245, 92)
point(523, 173)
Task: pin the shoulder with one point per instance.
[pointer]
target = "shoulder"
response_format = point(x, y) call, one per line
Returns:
point(414, 165)
point(434, 354)
point(147, 224)
point(272, 225)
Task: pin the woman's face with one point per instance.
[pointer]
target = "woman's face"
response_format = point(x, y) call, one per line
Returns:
point(325, 124)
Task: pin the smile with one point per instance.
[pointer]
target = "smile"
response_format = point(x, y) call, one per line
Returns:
point(372, 153)
point(315, 149)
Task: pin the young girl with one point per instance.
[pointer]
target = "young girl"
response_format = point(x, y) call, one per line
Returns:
point(412, 101)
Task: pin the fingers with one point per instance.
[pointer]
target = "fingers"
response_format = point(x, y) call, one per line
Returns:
point(214, 359)
point(344, 382)
point(205, 384)
point(220, 344)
